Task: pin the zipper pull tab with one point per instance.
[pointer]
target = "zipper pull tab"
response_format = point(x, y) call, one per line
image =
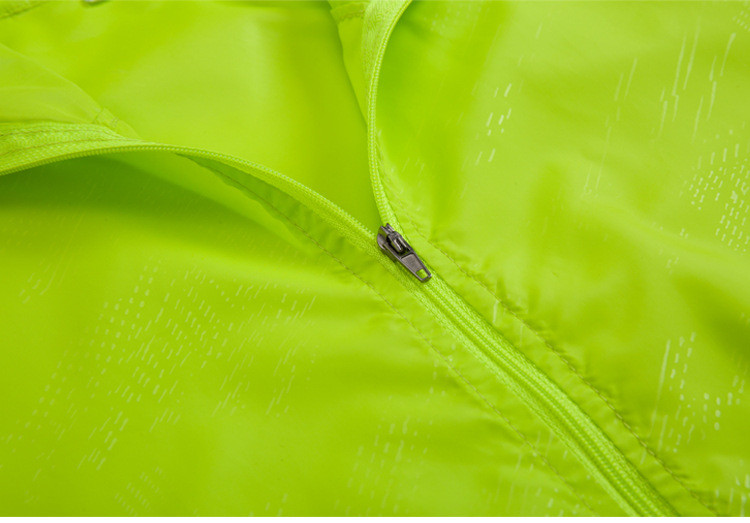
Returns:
point(394, 245)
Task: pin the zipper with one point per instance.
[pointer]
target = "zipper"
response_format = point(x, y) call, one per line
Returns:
point(107, 142)
point(397, 249)
point(604, 461)
point(582, 436)
point(586, 440)
point(614, 472)
point(544, 397)
point(391, 17)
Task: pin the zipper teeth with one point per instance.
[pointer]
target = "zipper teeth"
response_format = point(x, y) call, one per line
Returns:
point(387, 215)
point(339, 217)
point(617, 475)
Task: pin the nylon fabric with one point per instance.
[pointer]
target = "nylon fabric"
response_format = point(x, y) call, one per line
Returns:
point(586, 193)
point(196, 319)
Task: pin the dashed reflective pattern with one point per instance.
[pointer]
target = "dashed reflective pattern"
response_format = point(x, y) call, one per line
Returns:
point(189, 333)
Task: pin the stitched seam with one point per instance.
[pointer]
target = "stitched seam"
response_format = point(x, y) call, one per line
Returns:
point(534, 450)
point(57, 129)
point(499, 300)
point(518, 432)
point(356, 14)
point(572, 368)
point(565, 360)
point(91, 140)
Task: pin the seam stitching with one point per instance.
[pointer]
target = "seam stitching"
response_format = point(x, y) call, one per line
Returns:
point(60, 129)
point(518, 432)
point(509, 308)
point(502, 302)
point(91, 140)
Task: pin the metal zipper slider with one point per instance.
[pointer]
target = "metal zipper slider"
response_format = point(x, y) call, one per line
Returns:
point(394, 245)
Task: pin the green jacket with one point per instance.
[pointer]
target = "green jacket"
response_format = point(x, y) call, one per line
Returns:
point(201, 314)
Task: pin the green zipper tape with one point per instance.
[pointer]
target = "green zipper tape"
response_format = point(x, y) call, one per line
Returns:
point(566, 419)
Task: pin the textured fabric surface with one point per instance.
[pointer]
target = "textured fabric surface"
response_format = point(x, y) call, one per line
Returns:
point(195, 318)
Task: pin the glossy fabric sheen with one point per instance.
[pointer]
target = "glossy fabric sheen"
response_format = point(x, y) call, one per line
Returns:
point(191, 334)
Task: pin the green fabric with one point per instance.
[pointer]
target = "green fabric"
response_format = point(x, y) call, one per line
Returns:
point(195, 318)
